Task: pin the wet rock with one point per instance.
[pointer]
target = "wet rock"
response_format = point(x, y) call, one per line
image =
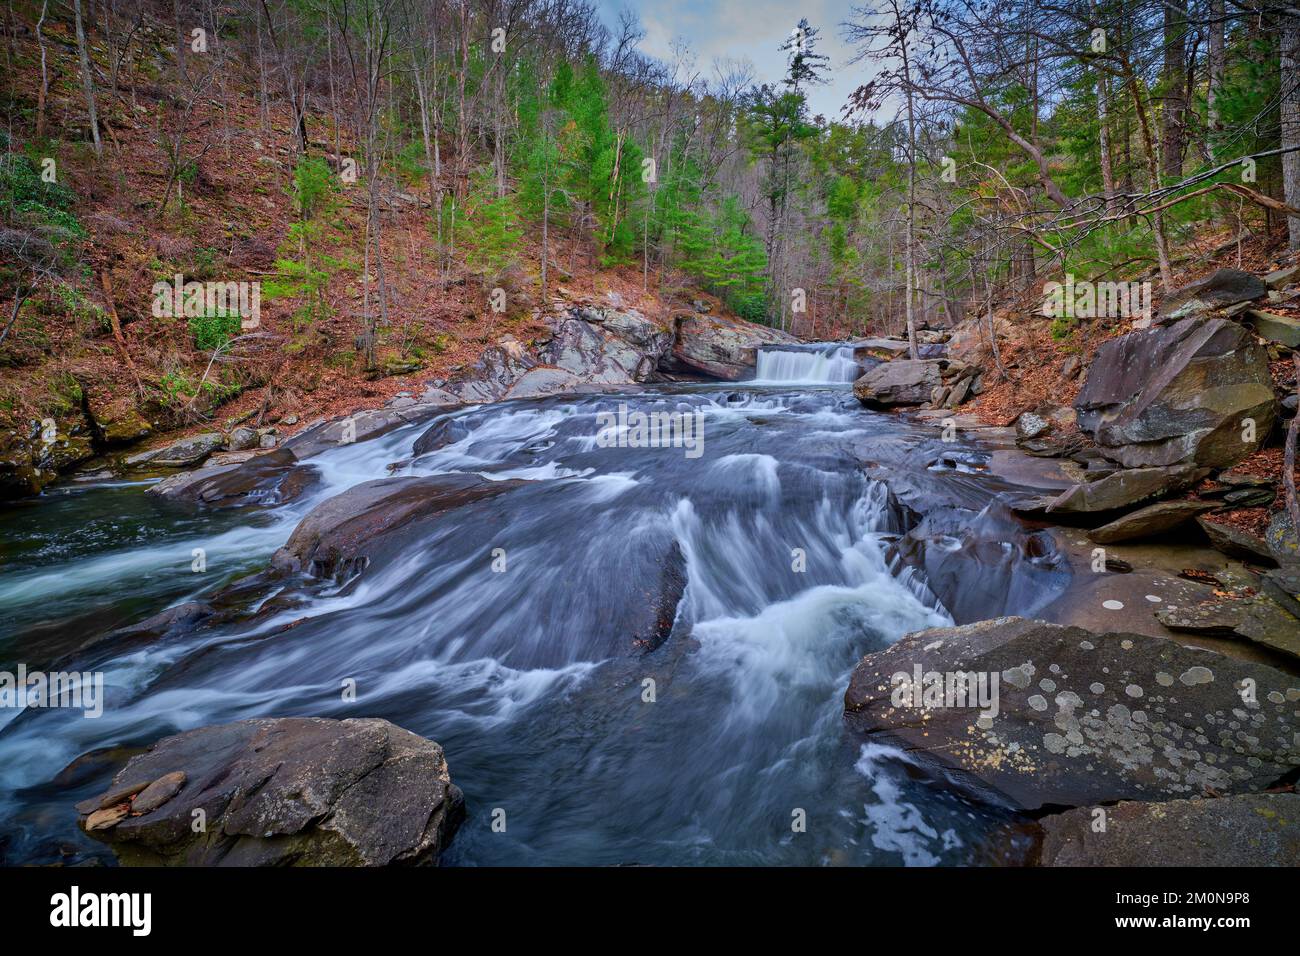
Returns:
point(1082, 717)
point(341, 534)
point(293, 791)
point(1251, 829)
point(1179, 394)
point(900, 382)
point(1223, 288)
point(179, 454)
point(719, 347)
point(443, 432)
point(1282, 329)
point(1236, 543)
point(267, 479)
point(1151, 520)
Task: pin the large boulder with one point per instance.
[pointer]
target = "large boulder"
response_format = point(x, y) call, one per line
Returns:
point(1081, 718)
point(900, 382)
point(1250, 829)
point(288, 792)
point(1216, 291)
point(1179, 394)
point(340, 535)
point(719, 347)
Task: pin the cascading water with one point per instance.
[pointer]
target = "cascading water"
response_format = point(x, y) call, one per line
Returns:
point(818, 362)
point(518, 631)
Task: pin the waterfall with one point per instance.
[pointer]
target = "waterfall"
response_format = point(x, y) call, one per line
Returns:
point(818, 362)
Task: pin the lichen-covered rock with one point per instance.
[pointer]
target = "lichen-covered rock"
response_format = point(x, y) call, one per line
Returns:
point(289, 792)
point(1251, 829)
point(1198, 392)
point(1084, 718)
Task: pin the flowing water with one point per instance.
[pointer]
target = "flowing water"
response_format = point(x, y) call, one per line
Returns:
point(515, 630)
point(814, 363)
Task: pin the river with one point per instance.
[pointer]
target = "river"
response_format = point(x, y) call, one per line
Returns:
point(512, 630)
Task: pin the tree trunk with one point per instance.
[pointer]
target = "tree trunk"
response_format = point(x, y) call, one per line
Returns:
point(1290, 62)
point(1174, 106)
point(87, 79)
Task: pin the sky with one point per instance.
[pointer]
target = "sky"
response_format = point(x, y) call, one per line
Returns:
point(752, 30)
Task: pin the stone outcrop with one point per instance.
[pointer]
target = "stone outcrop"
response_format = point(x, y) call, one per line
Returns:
point(719, 347)
point(1179, 395)
point(1084, 718)
point(287, 792)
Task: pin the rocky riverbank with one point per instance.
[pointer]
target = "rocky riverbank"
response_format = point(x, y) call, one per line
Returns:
point(1175, 707)
point(586, 344)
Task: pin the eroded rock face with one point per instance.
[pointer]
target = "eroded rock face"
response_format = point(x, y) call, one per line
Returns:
point(340, 534)
point(287, 792)
point(1254, 829)
point(1085, 718)
point(900, 382)
point(722, 348)
point(1179, 395)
